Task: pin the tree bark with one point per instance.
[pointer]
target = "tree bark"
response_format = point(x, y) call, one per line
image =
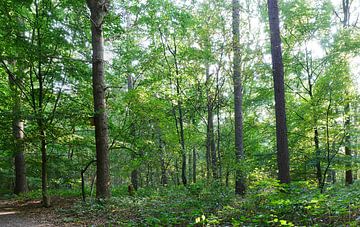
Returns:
point(239, 147)
point(194, 166)
point(134, 173)
point(164, 179)
point(18, 134)
point(40, 117)
point(278, 77)
point(317, 153)
point(181, 122)
point(348, 172)
point(98, 11)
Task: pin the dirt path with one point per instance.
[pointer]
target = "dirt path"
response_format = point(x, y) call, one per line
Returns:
point(13, 214)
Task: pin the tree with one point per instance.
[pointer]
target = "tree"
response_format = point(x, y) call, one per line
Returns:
point(348, 172)
point(18, 134)
point(99, 9)
point(279, 90)
point(239, 147)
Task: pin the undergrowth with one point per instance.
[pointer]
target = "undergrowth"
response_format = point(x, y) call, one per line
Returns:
point(266, 203)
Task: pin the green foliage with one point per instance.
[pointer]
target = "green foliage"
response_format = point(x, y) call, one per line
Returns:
point(266, 203)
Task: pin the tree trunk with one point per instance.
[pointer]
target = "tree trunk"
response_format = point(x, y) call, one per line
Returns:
point(44, 180)
point(278, 77)
point(211, 150)
point(239, 147)
point(189, 165)
point(18, 134)
point(164, 179)
point(134, 173)
point(218, 127)
point(98, 11)
point(348, 172)
point(182, 138)
point(194, 166)
point(317, 153)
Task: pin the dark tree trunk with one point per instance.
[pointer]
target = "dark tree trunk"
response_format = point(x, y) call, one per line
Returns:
point(189, 165)
point(218, 128)
point(346, 11)
point(227, 176)
point(18, 134)
point(317, 153)
point(177, 172)
point(278, 77)
point(164, 179)
point(134, 179)
point(194, 166)
point(134, 173)
point(98, 11)
point(239, 147)
point(182, 137)
point(348, 172)
point(43, 144)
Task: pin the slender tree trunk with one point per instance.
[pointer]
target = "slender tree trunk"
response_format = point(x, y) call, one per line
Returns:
point(348, 172)
point(18, 134)
point(211, 149)
point(44, 179)
point(194, 165)
point(239, 147)
point(227, 176)
point(218, 128)
point(346, 11)
point(189, 165)
point(98, 9)
point(134, 172)
point(39, 112)
point(182, 137)
point(279, 90)
point(164, 179)
point(177, 172)
point(317, 153)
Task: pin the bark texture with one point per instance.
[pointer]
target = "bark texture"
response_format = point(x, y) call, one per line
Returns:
point(348, 172)
point(18, 134)
point(99, 9)
point(239, 147)
point(278, 77)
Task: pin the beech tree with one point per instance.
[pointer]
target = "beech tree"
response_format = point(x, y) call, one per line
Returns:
point(239, 147)
point(99, 9)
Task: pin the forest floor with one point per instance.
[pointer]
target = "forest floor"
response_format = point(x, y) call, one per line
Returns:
point(30, 213)
point(266, 204)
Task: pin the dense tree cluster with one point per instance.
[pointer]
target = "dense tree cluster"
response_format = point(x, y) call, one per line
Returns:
point(160, 93)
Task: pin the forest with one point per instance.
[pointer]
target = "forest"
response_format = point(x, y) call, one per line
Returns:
point(179, 113)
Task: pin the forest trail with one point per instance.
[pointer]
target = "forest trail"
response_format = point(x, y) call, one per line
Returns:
point(13, 215)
